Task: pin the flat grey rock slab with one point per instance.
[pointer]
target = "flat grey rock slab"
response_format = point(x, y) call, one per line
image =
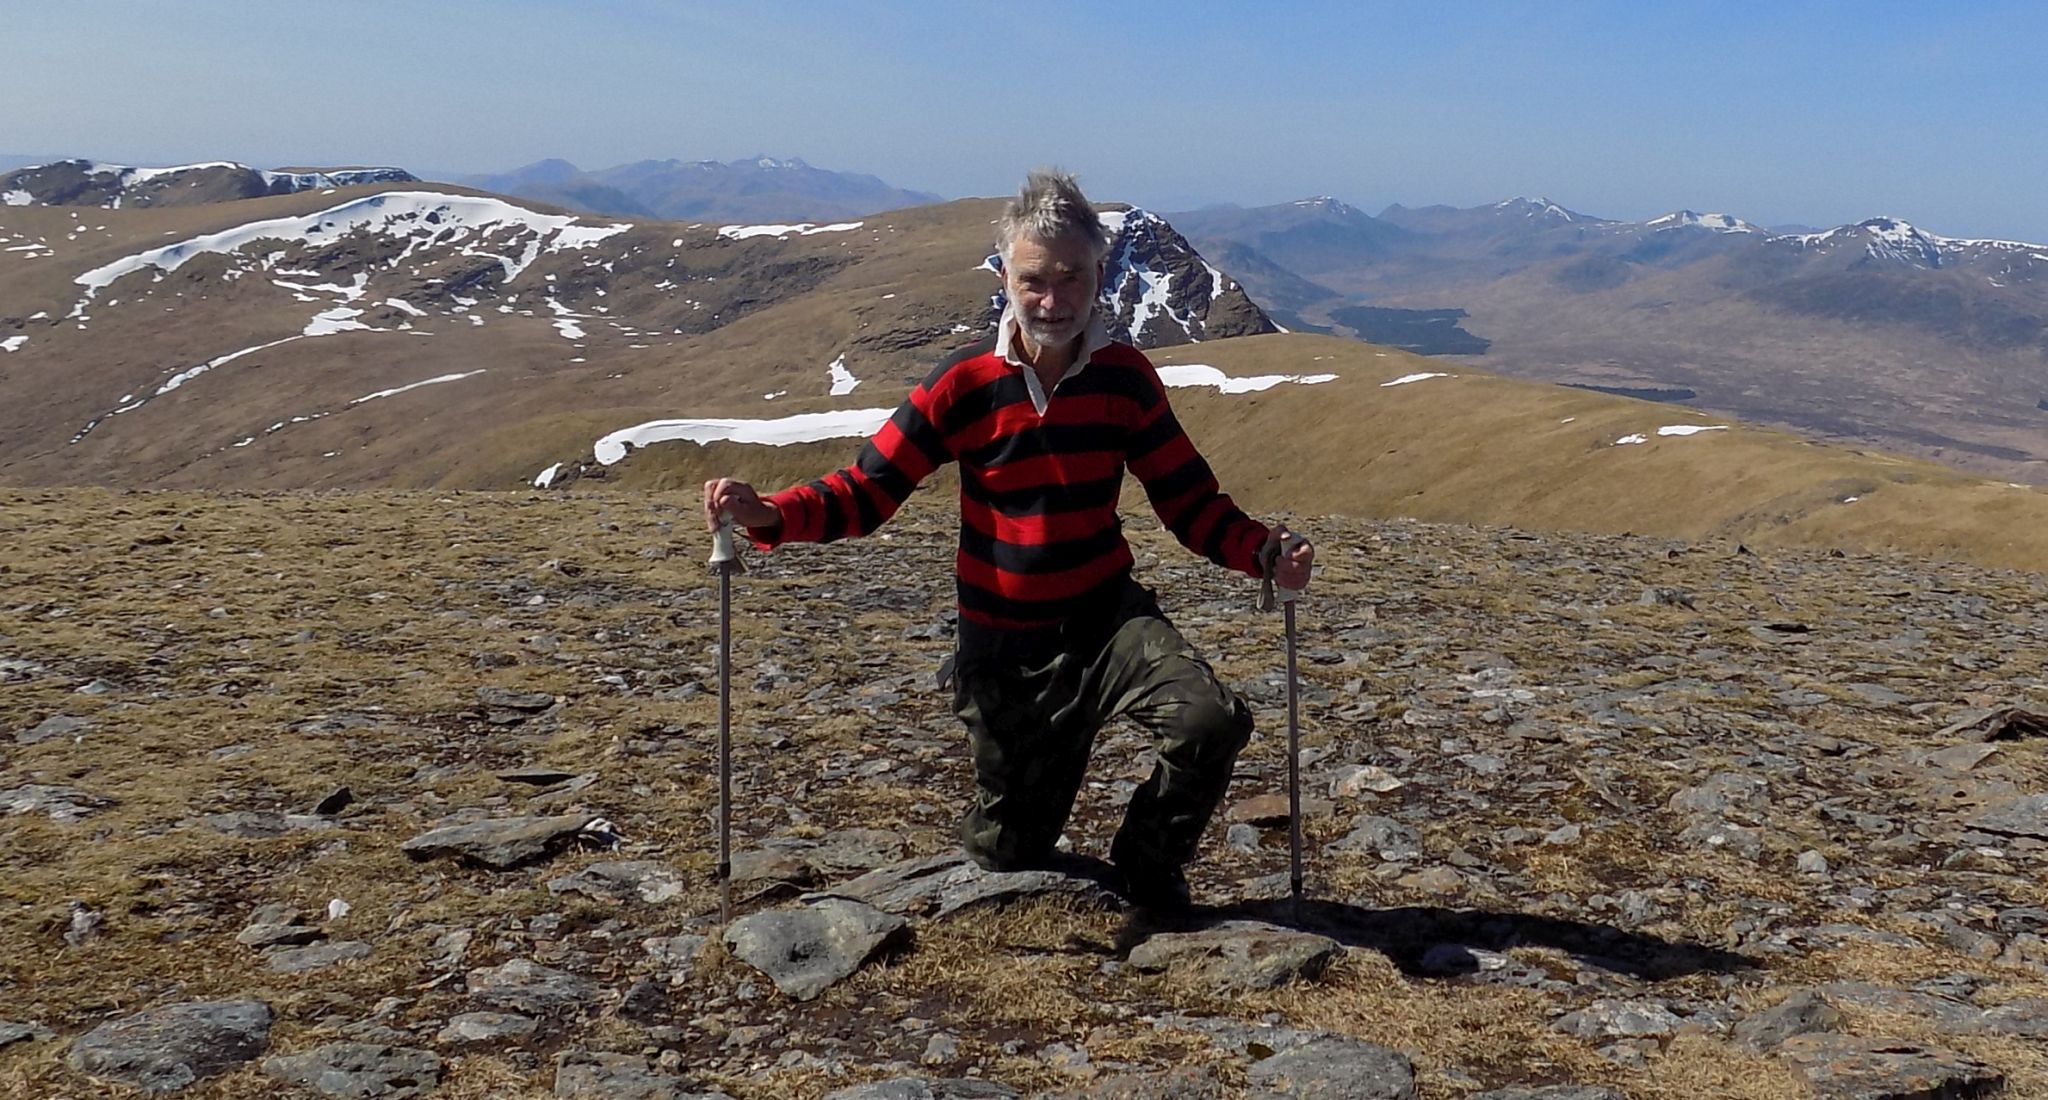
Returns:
point(2026, 816)
point(528, 701)
point(1238, 959)
point(845, 851)
point(674, 954)
point(12, 1033)
point(920, 1088)
point(170, 1048)
point(1946, 1014)
point(269, 934)
point(1334, 1067)
point(939, 886)
point(1852, 1067)
point(262, 824)
point(527, 986)
point(55, 726)
point(1618, 1019)
point(644, 880)
point(1803, 1013)
point(588, 1075)
point(486, 1027)
point(1551, 1092)
point(764, 871)
point(500, 843)
point(1179, 1083)
point(2027, 1018)
point(359, 1071)
point(61, 804)
point(319, 956)
point(805, 951)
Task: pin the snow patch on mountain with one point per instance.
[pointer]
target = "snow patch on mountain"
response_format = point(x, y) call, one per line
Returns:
point(800, 229)
point(1184, 375)
point(419, 218)
point(1719, 223)
point(843, 381)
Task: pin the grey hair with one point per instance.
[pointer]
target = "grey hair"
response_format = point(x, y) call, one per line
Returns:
point(1051, 206)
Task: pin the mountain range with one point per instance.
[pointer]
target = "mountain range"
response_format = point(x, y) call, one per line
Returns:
point(756, 188)
point(1877, 332)
point(402, 334)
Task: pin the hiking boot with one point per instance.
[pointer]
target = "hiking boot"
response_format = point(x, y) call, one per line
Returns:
point(1156, 890)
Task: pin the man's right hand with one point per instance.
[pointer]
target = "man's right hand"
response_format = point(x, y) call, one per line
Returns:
point(738, 500)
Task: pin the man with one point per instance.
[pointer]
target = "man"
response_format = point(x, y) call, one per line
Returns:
point(1055, 637)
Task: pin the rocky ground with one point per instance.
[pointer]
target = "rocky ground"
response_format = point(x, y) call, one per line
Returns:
point(405, 795)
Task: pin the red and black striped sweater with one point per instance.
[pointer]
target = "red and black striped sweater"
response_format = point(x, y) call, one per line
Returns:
point(1040, 539)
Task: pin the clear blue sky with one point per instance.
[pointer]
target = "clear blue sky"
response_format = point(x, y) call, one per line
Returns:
point(1803, 112)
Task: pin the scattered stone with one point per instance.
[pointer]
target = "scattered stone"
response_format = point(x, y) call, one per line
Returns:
point(12, 1033)
point(677, 954)
point(84, 925)
point(1803, 1013)
point(918, 1088)
point(1335, 1067)
point(55, 726)
point(2009, 723)
point(500, 843)
point(1358, 780)
point(279, 935)
point(1666, 596)
point(846, 851)
point(529, 987)
point(761, 873)
point(1389, 839)
point(2025, 816)
point(1616, 1019)
point(1238, 958)
point(590, 1075)
point(62, 804)
point(939, 886)
point(1272, 810)
point(1812, 862)
point(531, 702)
point(805, 951)
point(1551, 1092)
point(334, 801)
point(1179, 1083)
point(1847, 1067)
point(643, 879)
point(486, 1027)
point(1242, 838)
point(298, 960)
point(169, 1048)
point(359, 1071)
point(1722, 794)
point(537, 777)
point(262, 824)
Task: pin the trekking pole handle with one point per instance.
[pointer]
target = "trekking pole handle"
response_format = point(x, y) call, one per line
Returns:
point(722, 549)
point(1282, 593)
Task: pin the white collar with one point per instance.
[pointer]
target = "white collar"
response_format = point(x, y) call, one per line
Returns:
point(1093, 339)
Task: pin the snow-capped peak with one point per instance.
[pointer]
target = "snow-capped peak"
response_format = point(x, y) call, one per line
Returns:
point(1325, 202)
point(1719, 223)
point(1536, 208)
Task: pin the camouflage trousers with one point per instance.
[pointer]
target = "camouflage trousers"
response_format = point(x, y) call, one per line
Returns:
point(1032, 704)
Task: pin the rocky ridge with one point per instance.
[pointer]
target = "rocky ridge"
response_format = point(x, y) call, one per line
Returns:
point(1590, 817)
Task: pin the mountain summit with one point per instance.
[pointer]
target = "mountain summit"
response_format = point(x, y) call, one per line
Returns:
point(759, 188)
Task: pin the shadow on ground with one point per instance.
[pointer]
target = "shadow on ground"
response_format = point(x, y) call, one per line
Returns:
point(1448, 937)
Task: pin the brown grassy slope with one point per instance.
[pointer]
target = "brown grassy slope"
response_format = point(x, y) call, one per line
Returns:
point(883, 296)
point(1479, 448)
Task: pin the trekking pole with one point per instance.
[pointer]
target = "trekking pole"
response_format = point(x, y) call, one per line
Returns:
point(725, 561)
point(1287, 597)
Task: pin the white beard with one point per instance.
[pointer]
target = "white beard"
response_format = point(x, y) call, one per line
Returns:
point(1047, 335)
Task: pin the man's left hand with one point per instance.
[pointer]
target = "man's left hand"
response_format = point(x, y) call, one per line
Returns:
point(1291, 568)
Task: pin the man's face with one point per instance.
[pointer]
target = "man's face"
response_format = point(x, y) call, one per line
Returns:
point(1053, 285)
